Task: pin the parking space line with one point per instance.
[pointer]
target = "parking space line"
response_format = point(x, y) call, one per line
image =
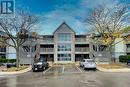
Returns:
point(47, 70)
point(63, 69)
point(79, 69)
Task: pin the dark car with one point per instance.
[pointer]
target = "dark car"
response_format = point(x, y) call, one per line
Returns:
point(9, 65)
point(128, 62)
point(41, 65)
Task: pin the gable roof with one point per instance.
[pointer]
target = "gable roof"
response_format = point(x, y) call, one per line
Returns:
point(64, 23)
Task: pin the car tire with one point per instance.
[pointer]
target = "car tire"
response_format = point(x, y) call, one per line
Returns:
point(94, 69)
point(83, 67)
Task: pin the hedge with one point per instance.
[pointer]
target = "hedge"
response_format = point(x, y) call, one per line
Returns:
point(7, 60)
point(124, 58)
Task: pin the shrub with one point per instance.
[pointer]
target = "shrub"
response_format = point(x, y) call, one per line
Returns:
point(12, 60)
point(3, 60)
point(124, 58)
point(7, 60)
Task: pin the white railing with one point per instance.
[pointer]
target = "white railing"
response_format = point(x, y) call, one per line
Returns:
point(79, 49)
point(46, 49)
point(80, 39)
point(46, 41)
point(128, 49)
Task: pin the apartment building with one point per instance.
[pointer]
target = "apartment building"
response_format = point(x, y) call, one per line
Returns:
point(2, 46)
point(64, 46)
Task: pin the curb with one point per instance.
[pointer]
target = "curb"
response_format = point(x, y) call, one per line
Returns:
point(17, 72)
point(113, 70)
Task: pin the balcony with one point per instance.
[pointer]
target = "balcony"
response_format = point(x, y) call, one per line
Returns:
point(2, 50)
point(46, 50)
point(81, 41)
point(128, 49)
point(49, 41)
point(81, 50)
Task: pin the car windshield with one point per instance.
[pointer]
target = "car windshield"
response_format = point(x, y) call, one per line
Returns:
point(41, 60)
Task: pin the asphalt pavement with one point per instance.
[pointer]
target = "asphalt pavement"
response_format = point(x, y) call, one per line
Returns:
point(66, 76)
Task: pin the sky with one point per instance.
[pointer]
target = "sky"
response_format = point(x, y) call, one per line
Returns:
point(54, 12)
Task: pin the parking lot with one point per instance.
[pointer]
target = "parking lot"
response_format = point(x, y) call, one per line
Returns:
point(66, 76)
point(63, 69)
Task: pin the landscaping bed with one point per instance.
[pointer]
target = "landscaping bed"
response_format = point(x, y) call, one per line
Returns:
point(112, 66)
point(14, 69)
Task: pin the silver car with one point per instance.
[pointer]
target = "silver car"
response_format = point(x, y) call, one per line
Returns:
point(88, 64)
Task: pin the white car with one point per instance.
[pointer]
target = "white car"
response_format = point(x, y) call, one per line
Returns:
point(88, 64)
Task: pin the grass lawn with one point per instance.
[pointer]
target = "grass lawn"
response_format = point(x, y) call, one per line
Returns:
point(14, 69)
point(112, 66)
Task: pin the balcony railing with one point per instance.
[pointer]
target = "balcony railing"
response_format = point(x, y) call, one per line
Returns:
point(128, 49)
point(46, 49)
point(51, 41)
point(78, 49)
point(81, 40)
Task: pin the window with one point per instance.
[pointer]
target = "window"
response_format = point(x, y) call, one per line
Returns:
point(64, 47)
point(64, 37)
point(64, 57)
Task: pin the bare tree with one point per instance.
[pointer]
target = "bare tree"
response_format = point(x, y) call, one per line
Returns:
point(17, 30)
point(108, 22)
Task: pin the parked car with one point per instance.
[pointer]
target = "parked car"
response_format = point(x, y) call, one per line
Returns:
point(88, 64)
point(128, 62)
point(9, 65)
point(41, 65)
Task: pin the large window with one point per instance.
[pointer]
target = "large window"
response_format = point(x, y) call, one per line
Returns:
point(64, 37)
point(64, 47)
point(64, 57)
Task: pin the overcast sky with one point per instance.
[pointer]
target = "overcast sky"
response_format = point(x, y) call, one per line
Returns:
point(54, 12)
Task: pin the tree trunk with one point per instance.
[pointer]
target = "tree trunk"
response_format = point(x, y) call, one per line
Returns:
point(17, 57)
point(110, 54)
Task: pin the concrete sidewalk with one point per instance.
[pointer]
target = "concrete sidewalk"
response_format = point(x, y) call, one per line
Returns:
point(113, 70)
point(17, 72)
